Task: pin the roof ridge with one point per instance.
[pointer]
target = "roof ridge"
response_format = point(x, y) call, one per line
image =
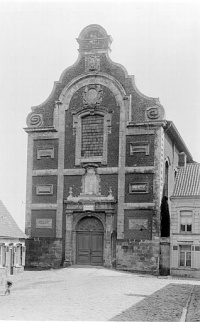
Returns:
point(8, 226)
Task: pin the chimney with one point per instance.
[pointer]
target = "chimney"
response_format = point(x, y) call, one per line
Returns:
point(182, 159)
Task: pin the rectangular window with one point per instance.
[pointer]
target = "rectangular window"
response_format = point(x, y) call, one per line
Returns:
point(19, 255)
point(2, 255)
point(185, 255)
point(92, 136)
point(186, 221)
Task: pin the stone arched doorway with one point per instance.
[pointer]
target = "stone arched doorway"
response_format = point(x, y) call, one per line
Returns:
point(89, 242)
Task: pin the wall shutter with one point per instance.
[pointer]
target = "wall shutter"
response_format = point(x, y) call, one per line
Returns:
point(4, 256)
point(196, 257)
point(14, 256)
point(23, 255)
point(7, 256)
point(192, 257)
point(175, 256)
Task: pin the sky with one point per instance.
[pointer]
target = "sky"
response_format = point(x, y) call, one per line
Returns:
point(156, 41)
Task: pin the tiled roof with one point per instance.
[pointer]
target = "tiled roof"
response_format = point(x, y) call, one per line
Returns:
point(188, 180)
point(8, 227)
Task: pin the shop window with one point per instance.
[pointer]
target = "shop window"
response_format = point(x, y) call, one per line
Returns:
point(185, 256)
point(186, 221)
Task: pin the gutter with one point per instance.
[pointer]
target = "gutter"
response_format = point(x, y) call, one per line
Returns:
point(173, 133)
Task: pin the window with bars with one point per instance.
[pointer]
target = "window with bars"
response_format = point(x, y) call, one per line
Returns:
point(91, 130)
point(92, 133)
point(186, 221)
point(185, 256)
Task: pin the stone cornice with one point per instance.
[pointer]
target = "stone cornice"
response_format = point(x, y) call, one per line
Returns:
point(142, 205)
point(40, 129)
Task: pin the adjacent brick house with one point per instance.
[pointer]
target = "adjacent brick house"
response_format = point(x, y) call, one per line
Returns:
point(185, 222)
point(101, 164)
point(12, 245)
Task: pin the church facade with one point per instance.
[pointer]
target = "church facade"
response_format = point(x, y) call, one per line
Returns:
point(102, 160)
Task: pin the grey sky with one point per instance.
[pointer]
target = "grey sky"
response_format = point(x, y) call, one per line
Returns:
point(157, 41)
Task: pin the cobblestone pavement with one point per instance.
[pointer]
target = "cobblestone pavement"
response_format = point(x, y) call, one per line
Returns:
point(193, 314)
point(92, 294)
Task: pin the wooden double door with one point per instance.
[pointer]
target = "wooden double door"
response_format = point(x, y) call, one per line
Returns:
point(89, 242)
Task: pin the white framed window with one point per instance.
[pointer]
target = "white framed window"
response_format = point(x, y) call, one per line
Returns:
point(186, 221)
point(2, 255)
point(19, 255)
point(185, 256)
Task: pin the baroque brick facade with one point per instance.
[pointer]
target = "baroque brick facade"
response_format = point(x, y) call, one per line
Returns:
point(97, 151)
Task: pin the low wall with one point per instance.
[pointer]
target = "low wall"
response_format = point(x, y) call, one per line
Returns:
point(138, 256)
point(191, 273)
point(43, 253)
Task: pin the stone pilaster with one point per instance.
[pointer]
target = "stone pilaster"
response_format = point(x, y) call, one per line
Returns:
point(61, 149)
point(29, 185)
point(108, 243)
point(68, 238)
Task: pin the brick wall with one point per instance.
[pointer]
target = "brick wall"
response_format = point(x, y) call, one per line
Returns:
point(139, 178)
point(140, 158)
point(69, 157)
point(75, 182)
point(50, 161)
point(39, 195)
point(108, 101)
point(138, 224)
point(43, 223)
point(107, 181)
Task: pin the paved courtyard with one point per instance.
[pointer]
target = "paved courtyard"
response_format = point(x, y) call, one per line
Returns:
point(89, 294)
